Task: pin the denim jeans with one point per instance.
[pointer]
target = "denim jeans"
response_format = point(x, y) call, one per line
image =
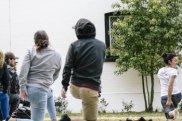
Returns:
point(4, 101)
point(38, 101)
point(176, 98)
point(51, 105)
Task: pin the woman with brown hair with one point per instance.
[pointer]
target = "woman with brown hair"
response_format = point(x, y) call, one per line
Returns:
point(40, 68)
point(4, 82)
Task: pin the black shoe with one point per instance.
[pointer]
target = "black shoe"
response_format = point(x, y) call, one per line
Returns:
point(128, 119)
point(65, 117)
point(141, 119)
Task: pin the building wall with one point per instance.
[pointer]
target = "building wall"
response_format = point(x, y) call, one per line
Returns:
point(126, 87)
point(20, 19)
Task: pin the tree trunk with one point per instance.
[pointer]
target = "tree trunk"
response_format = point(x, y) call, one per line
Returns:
point(147, 86)
point(144, 95)
point(150, 107)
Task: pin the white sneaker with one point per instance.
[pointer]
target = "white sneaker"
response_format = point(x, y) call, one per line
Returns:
point(173, 113)
point(177, 115)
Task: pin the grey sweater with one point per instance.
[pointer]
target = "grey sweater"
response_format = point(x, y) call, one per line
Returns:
point(39, 69)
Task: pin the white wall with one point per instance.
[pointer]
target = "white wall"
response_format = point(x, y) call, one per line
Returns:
point(55, 16)
point(125, 87)
point(20, 19)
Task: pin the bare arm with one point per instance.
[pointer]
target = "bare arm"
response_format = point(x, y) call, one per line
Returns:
point(170, 89)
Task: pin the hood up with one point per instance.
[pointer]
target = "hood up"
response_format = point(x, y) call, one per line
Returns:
point(85, 29)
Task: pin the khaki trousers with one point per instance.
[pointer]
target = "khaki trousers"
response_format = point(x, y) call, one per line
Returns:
point(89, 99)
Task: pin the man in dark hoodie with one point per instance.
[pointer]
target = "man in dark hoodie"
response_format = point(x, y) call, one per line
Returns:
point(84, 64)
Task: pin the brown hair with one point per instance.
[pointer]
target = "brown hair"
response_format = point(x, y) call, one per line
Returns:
point(41, 39)
point(1, 59)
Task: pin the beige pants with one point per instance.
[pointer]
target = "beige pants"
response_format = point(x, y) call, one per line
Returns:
point(89, 99)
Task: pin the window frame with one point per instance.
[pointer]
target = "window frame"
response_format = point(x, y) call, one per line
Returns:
point(109, 57)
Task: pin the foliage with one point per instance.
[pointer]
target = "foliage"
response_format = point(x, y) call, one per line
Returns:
point(127, 106)
point(61, 105)
point(103, 105)
point(149, 28)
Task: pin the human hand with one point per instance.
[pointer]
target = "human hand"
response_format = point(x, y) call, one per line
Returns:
point(63, 93)
point(23, 95)
point(168, 103)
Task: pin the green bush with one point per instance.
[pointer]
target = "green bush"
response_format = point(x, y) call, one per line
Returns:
point(103, 105)
point(61, 105)
point(127, 106)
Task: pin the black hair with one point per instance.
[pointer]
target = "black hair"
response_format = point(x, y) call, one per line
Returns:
point(41, 39)
point(168, 57)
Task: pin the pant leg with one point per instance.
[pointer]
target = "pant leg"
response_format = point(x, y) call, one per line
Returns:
point(75, 91)
point(176, 99)
point(4, 105)
point(89, 99)
point(51, 106)
point(38, 100)
point(13, 102)
point(89, 103)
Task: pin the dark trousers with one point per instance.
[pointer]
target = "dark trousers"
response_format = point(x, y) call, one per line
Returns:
point(13, 102)
point(176, 98)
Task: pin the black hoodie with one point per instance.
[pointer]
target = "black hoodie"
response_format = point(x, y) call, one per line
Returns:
point(85, 58)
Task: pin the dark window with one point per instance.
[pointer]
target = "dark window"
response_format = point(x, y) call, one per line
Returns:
point(110, 18)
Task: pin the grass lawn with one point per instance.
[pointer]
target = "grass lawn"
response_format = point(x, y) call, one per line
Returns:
point(122, 116)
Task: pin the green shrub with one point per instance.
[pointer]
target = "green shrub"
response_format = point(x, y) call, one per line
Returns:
point(127, 106)
point(61, 105)
point(103, 105)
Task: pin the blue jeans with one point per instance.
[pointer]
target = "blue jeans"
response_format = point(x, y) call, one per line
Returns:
point(38, 101)
point(175, 100)
point(4, 101)
point(51, 105)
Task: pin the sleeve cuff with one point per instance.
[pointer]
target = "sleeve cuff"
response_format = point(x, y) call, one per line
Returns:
point(23, 88)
